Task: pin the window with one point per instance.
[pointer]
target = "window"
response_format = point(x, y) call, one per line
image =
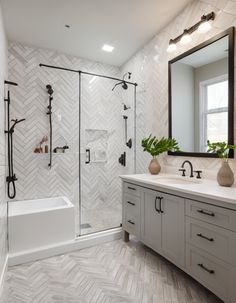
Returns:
point(214, 111)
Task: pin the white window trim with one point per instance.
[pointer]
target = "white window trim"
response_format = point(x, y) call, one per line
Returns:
point(202, 107)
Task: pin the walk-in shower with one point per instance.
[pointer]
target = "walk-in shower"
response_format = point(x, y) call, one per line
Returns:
point(87, 116)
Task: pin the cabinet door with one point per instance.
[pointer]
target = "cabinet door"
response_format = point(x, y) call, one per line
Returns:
point(151, 220)
point(173, 228)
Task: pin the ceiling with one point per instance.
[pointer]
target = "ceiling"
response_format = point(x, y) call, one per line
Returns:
point(125, 24)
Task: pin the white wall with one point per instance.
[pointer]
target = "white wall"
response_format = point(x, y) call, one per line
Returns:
point(182, 79)
point(150, 70)
point(3, 204)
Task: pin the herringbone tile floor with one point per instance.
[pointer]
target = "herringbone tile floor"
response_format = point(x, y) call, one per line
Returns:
point(114, 272)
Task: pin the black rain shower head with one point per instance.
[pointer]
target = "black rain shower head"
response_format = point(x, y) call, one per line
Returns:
point(49, 89)
point(122, 83)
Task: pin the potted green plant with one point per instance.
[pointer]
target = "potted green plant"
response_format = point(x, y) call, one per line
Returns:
point(225, 176)
point(155, 147)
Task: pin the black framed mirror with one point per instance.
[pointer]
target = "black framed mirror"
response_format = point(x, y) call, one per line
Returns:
point(201, 96)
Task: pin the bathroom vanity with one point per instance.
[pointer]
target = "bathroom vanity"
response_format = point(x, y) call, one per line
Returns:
point(190, 222)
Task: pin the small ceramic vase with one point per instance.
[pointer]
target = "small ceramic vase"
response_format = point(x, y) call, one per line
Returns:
point(154, 166)
point(225, 176)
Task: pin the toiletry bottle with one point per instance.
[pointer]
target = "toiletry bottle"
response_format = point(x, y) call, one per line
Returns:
point(46, 148)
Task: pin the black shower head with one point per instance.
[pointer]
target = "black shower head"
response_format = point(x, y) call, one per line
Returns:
point(124, 85)
point(50, 90)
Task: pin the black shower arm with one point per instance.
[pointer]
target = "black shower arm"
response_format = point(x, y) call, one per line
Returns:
point(119, 83)
point(16, 121)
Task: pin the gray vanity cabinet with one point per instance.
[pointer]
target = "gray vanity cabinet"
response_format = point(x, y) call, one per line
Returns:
point(151, 221)
point(157, 219)
point(162, 224)
point(173, 229)
point(199, 237)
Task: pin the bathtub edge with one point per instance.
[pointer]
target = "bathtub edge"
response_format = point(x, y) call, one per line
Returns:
point(64, 247)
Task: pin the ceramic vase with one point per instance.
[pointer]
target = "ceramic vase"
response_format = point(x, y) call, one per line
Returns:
point(225, 176)
point(154, 166)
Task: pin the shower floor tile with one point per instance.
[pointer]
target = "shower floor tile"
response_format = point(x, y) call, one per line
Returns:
point(85, 225)
point(100, 219)
point(115, 272)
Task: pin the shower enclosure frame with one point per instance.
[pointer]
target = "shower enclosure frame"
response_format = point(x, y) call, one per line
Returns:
point(79, 72)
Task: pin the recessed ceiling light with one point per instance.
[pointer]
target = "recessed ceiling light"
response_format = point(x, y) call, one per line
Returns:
point(107, 48)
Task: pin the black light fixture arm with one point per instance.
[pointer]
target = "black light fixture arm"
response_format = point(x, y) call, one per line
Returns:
point(190, 30)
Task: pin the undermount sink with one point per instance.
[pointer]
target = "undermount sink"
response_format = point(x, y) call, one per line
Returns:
point(170, 179)
point(177, 180)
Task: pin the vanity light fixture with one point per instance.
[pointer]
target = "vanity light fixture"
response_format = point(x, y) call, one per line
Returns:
point(186, 38)
point(201, 27)
point(171, 47)
point(205, 26)
point(108, 48)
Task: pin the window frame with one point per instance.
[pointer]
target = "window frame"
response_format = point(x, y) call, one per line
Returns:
point(204, 112)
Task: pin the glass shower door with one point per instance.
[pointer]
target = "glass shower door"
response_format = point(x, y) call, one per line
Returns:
point(102, 142)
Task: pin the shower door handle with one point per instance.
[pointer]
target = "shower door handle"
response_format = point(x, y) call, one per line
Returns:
point(87, 151)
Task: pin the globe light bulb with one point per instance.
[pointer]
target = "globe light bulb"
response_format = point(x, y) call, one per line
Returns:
point(204, 27)
point(171, 47)
point(186, 38)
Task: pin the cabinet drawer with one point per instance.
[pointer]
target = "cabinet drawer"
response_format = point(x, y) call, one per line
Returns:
point(209, 271)
point(211, 214)
point(131, 204)
point(131, 223)
point(132, 189)
point(217, 241)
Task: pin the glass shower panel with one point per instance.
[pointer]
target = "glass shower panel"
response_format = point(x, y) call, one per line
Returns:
point(103, 142)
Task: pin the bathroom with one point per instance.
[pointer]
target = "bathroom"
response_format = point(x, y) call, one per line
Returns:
point(83, 217)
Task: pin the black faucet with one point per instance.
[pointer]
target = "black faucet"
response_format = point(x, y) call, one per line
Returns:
point(183, 170)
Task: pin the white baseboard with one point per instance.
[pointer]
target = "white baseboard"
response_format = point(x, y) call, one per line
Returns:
point(65, 247)
point(2, 276)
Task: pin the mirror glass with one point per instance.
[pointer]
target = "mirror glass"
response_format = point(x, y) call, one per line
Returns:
point(199, 96)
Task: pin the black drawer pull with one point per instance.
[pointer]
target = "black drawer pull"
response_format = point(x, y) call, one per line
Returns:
point(206, 212)
point(160, 206)
point(157, 209)
point(206, 238)
point(131, 222)
point(131, 203)
point(132, 188)
point(210, 271)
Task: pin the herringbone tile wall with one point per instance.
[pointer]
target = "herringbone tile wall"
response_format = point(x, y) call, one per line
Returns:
point(3, 202)
point(101, 109)
point(149, 68)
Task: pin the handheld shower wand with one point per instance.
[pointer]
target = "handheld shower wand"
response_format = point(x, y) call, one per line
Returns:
point(50, 91)
point(11, 178)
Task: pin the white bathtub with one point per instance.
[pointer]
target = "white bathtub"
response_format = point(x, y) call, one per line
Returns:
point(36, 224)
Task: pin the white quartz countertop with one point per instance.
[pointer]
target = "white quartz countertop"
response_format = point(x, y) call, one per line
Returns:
point(199, 187)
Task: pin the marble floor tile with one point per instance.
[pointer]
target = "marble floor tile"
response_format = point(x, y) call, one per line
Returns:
point(109, 273)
